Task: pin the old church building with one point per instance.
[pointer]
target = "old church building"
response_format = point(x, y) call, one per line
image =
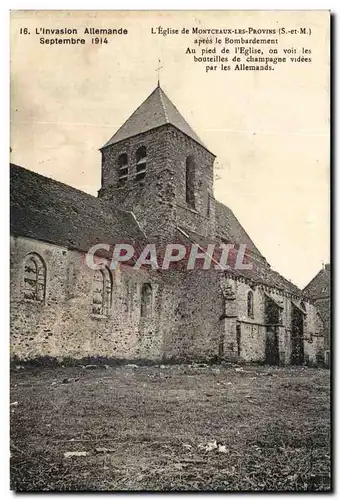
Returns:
point(319, 289)
point(156, 185)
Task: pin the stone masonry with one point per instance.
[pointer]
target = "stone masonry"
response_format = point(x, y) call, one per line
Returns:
point(157, 186)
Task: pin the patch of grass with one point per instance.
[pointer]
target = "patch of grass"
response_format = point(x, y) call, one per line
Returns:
point(155, 423)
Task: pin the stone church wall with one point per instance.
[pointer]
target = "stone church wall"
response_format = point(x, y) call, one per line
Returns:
point(195, 324)
point(184, 323)
point(314, 335)
point(324, 307)
point(252, 342)
point(201, 218)
point(159, 200)
point(64, 326)
point(253, 330)
point(152, 199)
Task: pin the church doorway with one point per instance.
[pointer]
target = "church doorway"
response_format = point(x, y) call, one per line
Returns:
point(272, 320)
point(238, 339)
point(272, 346)
point(297, 336)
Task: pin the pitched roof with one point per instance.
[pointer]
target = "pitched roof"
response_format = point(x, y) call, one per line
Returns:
point(50, 211)
point(320, 286)
point(155, 111)
point(228, 228)
point(262, 272)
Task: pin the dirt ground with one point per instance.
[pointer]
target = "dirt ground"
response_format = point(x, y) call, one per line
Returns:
point(170, 428)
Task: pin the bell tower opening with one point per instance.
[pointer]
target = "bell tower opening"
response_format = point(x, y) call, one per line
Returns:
point(140, 163)
point(157, 167)
point(190, 181)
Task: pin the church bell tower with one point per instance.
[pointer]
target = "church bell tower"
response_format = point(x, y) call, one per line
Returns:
point(157, 167)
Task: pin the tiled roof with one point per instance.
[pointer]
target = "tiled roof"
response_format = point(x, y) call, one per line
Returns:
point(320, 286)
point(155, 111)
point(319, 289)
point(47, 210)
point(262, 273)
point(229, 229)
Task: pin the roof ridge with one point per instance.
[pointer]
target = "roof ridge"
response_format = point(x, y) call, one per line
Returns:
point(313, 279)
point(48, 210)
point(322, 274)
point(155, 111)
point(129, 117)
point(50, 179)
point(251, 239)
point(163, 105)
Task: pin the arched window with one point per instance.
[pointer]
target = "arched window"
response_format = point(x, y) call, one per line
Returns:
point(250, 304)
point(102, 292)
point(123, 169)
point(190, 182)
point(140, 163)
point(146, 300)
point(34, 278)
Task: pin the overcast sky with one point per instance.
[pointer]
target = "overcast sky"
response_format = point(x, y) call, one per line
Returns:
point(269, 130)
